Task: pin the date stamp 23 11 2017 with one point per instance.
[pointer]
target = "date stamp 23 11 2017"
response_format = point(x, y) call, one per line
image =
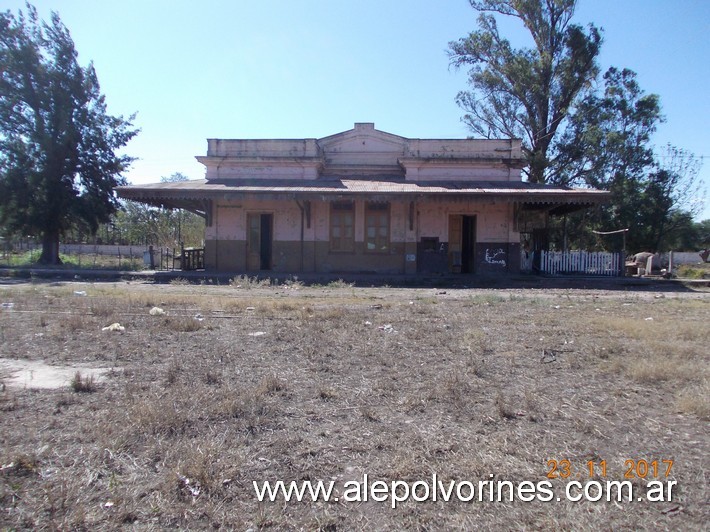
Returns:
point(654, 473)
point(642, 469)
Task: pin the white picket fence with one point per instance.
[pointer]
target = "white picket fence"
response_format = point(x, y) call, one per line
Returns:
point(584, 262)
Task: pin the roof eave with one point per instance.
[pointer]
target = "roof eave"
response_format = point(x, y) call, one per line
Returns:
point(158, 196)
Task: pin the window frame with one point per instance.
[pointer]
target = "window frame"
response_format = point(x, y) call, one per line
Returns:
point(376, 208)
point(337, 209)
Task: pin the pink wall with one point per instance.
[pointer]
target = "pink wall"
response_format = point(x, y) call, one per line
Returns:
point(493, 220)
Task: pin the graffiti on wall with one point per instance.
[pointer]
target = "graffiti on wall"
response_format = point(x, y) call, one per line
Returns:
point(495, 256)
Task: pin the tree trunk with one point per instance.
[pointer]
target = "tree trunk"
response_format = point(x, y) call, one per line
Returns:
point(50, 248)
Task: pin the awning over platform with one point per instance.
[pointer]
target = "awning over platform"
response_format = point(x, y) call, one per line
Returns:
point(194, 195)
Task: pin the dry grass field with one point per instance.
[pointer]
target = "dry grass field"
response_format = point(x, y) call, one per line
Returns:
point(333, 382)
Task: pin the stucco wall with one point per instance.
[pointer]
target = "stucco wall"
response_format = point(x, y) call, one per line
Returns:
point(230, 219)
point(496, 243)
point(493, 221)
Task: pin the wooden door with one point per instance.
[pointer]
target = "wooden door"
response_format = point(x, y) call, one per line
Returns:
point(455, 230)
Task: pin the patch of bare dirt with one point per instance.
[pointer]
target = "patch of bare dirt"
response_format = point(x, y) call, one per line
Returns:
point(18, 373)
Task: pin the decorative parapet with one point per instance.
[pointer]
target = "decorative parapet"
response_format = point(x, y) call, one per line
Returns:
point(363, 152)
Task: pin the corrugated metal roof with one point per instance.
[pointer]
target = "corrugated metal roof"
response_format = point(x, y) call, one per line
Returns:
point(203, 189)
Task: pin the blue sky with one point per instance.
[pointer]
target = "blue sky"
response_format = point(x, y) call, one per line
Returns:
point(311, 68)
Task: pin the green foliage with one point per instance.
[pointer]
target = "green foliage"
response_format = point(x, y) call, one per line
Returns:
point(526, 93)
point(76, 260)
point(682, 233)
point(692, 272)
point(58, 165)
point(607, 142)
point(607, 146)
point(703, 232)
point(137, 223)
point(573, 134)
point(686, 234)
point(141, 224)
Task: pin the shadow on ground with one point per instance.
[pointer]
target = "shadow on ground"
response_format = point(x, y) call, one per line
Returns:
point(460, 281)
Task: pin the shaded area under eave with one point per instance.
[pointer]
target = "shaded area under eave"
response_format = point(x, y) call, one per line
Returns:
point(196, 195)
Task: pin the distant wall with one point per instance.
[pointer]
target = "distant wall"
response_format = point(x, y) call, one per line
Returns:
point(660, 260)
point(682, 257)
point(89, 249)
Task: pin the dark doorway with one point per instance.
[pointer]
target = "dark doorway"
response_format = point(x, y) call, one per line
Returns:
point(541, 242)
point(266, 240)
point(259, 241)
point(468, 244)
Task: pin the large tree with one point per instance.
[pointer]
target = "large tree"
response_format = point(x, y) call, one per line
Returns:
point(526, 93)
point(58, 144)
point(667, 195)
point(575, 131)
point(607, 145)
point(607, 141)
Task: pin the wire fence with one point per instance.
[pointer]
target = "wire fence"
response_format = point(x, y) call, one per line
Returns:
point(93, 256)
